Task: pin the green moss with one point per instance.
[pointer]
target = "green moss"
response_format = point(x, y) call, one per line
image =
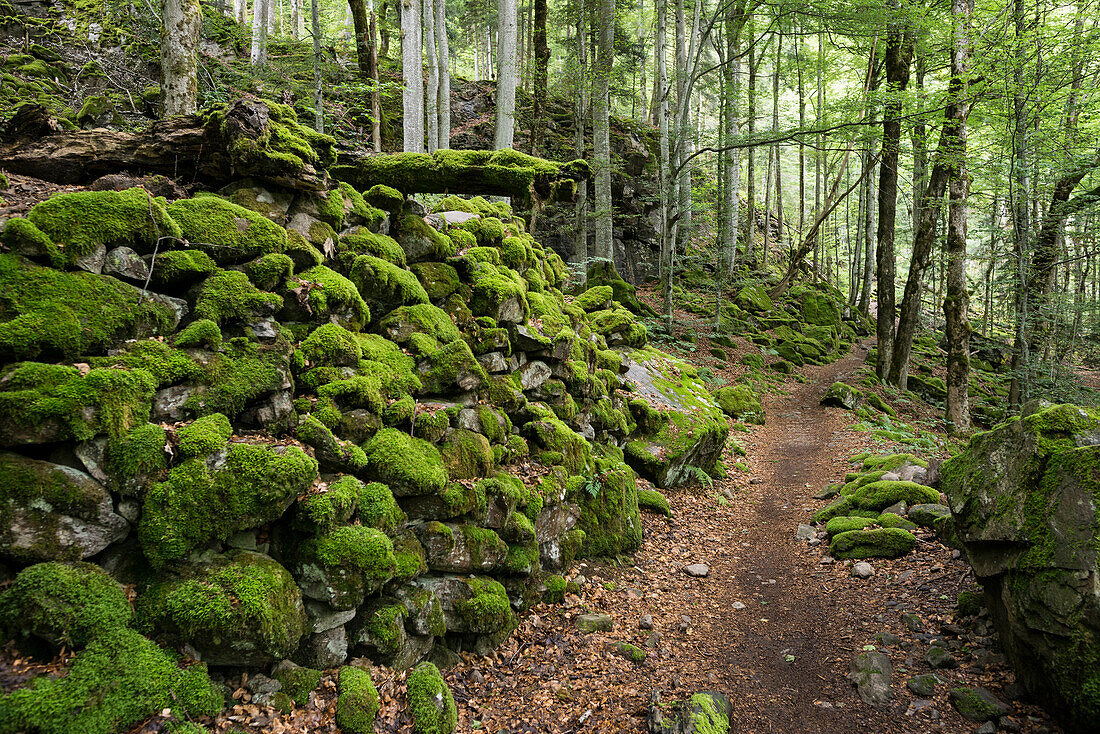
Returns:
point(118, 681)
point(439, 279)
point(238, 604)
point(253, 485)
point(893, 520)
point(430, 701)
point(35, 397)
point(240, 373)
point(608, 503)
point(283, 150)
point(330, 345)
point(45, 312)
point(410, 557)
point(881, 494)
point(20, 235)
point(423, 318)
point(229, 295)
point(298, 682)
point(81, 221)
point(842, 505)
point(844, 524)
point(200, 333)
point(453, 367)
point(430, 244)
point(555, 589)
point(741, 403)
point(486, 610)
point(182, 266)
point(204, 436)
point(467, 455)
point(362, 241)
point(650, 499)
point(496, 291)
point(890, 462)
point(66, 604)
point(594, 299)
point(356, 702)
point(140, 453)
point(329, 296)
point(410, 466)
point(705, 716)
point(386, 284)
point(269, 272)
point(333, 505)
point(969, 603)
point(385, 198)
point(633, 653)
point(227, 232)
point(876, 543)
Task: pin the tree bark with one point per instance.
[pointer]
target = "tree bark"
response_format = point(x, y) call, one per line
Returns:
point(182, 26)
point(318, 92)
point(261, 9)
point(735, 20)
point(580, 117)
point(364, 39)
point(664, 153)
point(601, 131)
point(412, 72)
point(956, 301)
point(431, 105)
point(542, 62)
point(443, 58)
point(376, 83)
point(899, 53)
point(507, 75)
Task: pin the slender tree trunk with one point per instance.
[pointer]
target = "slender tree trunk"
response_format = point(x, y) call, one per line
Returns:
point(899, 53)
point(778, 148)
point(376, 84)
point(260, 11)
point(384, 31)
point(664, 155)
point(868, 225)
point(601, 130)
point(542, 63)
point(956, 300)
point(360, 19)
point(295, 19)
point(580, 116)
point(443, 57)
point(431, 102)
point(318, 92)
point(735, 20)
point(819, 156)
point(507, 75)
point(1021, 199)
point(180, 31)
point(750, 166)
point(412, 71)
point(801, 146)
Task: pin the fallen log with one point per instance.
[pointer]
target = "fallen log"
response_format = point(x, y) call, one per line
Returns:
point(248, 138)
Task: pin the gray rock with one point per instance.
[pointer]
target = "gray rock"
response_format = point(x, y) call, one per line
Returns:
point(987, 728)
point(262, 688)
point(805, 532)
point(863, 570)
point(328, 649)
point(870, 672)
point(698, 570)
point(594, 622)
point(125, 263)
point(59, 513)
point(93, 261)
point(533, 374)
point(738, 605)
point(840, 395)
point(646, 622)
point(887, 639)
point(493, 362)
point(897, 508)
point(926, 515)
point(323, 617)
point(168, 403)
point(913, 473)
point(924, 685)
point(940, 659)
point(977, 704)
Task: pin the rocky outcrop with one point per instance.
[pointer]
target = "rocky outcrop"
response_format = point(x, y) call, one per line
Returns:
point(1026, 501)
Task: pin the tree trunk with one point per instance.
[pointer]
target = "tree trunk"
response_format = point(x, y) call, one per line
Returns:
point(750, 165)
point(664, 156)
point(431, 106)
point(580, 117)
point(542, 62)
point(318, 92)
point(260, 10)
point(735, 20)
point(778, 149)
point(443, 58)
point(361, 22)
point(179, 43)
point(868, 224)
point(601, 131)
point(1021, 226)
point(295, 19)
point(899, 53)
point(956, 300)
point(376, 83)
point(507, 75)
point(412, 72)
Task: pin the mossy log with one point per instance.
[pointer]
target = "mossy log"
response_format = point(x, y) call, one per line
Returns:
point(474, 172)
point(247, 138)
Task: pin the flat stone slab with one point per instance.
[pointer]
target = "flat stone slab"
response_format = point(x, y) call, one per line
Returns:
point(698, 570)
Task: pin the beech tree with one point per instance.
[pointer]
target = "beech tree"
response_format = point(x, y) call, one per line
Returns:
point(507, 75)
point(180, 30)
point(412, 72)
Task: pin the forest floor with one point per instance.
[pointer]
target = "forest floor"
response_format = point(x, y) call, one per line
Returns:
point(774, 625)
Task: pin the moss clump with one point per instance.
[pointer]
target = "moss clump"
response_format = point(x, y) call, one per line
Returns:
point(65, 604)
point(385, 198)
point(654, 501)
point(362, 241)
point(298, 682)
point(329, 296)
point(377, 507)
point(49, 313)
point(740, 403)
point(498, 292)
point(363, 549)
point(238, 608)
point(845, 523)
point(430, 701)
point(140, 454)
point(270, 271)
point(285, 149)
point(119, 680)
point(439, 279)
point(227, 232)
point(608, 501)
point(334, 505)
point(633, 653)
point(57, 402)
point(876, 543)
point(200, 333)
point(82, 221)
point(238, 374)
point(204, 436)
point(410, 466)
point(555, 589)
point(254, 484)
point(969, 603)
point(229, 295)
point(330, 345)
point(20, 235)
point(883, 493)
point(890, 462)
point(485, 610)
point(596, 298)
point(386, 284)
point(423, 318)
point(453, 367)
point(357, 701)
point(467, 455)
point(180, 267)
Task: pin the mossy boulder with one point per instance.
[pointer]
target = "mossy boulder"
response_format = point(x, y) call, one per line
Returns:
point(883, 493)
point(741, 403)
point(476, 605)
point(239, 487)
point(241, 608)
point(420, 241)
point(408, 465)
point(608, 503)
point(430, 701)
point(229, 296)
point(51, 512)
point(654, 501)
point(845, 523)
point(841, 395)
point(754, 299)
point(874, 543)
point(228, 233)
point(357, 701)
point(344, 565)
point(1025, 498)
point(322, 295)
